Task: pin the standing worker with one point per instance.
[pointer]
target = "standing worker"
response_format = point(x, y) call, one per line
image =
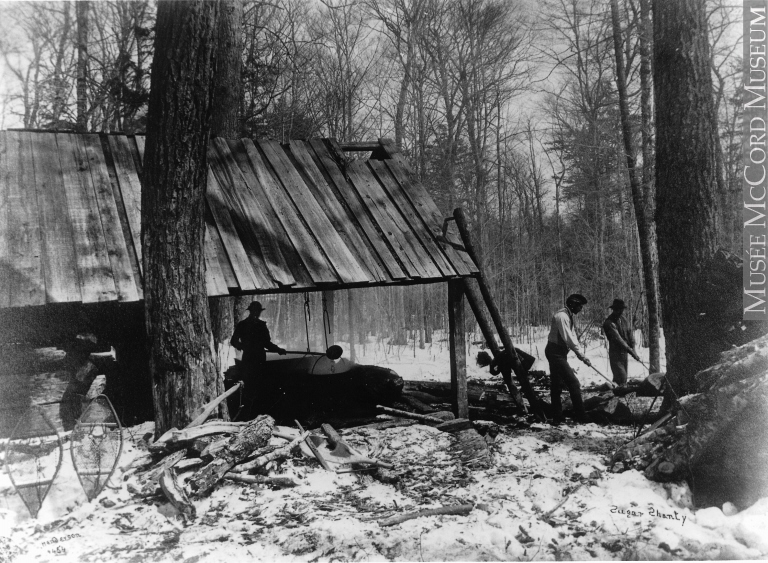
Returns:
point(252, 337)
point(621, 341)
point(561, 340)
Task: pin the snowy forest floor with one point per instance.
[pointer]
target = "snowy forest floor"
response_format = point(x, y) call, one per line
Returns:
point(548, 495)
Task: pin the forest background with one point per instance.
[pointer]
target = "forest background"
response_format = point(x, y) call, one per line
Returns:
point(507, 108)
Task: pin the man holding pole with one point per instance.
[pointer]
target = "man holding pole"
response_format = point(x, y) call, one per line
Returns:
point(621, 341)
point(561, 340)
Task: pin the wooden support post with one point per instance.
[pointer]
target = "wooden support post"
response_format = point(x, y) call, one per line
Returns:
point(351, 322)
point(458, 346)
point(328, 321)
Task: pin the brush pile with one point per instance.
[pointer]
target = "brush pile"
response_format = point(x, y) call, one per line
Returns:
point(187, 465)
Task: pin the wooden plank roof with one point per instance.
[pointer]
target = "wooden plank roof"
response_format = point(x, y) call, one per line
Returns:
point(292, 217)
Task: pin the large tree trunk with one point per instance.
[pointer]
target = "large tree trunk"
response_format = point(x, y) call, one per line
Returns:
point(173, 203)
point(685, 182)
point(638, 197)
point(226, 122)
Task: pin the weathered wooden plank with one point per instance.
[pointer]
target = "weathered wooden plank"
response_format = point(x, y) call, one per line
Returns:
point(415, 222)
point(429, 211)
point(310, 252)
point(248, 277)
point(214, 277)
point(358, 210)
point(26, 284)
point(62, 282)
point(377, 202)
point(127, 284)
point(340, 257)
point(317, 184)
point(249, 211)
point(229, 278)
point(97, 283)
point(6, 267)
point(130, 188)
point(260, 271)
point(240, 154)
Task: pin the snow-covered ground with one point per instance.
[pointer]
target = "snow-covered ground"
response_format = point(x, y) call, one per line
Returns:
point(547, 495)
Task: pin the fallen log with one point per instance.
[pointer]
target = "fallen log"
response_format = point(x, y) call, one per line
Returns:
point(392, 422)
point(261, 480)
point(214, 447)
point(427, 398)
point(413, 415)
point(156, 472)
point(251, 437)
point(458, 510)
point(278, 453)
point(176, 495)
point(187, 464)
point(443, 422)
point(416, 404)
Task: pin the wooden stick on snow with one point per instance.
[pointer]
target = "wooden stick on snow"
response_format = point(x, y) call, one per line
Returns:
point(207, 409)
point(458, 510)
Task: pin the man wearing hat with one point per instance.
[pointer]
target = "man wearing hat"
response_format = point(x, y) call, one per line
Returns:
point(252, 337)
point(561, 340)
point(621, 341)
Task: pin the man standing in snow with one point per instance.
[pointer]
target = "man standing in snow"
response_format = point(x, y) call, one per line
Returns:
point(561, 340)
point(621, 341)
point(252, 337)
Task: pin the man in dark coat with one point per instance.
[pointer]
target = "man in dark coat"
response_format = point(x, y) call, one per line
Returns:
point(560, 341)
point(621, 341)
point(252, 337)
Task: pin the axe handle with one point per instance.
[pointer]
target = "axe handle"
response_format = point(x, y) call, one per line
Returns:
point(601, 375)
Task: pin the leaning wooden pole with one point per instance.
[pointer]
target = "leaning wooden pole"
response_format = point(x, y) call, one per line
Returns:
point(475, 303)
point(522, 375)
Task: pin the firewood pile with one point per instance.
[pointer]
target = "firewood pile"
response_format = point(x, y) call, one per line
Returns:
point(716, 439)
point(188, 464)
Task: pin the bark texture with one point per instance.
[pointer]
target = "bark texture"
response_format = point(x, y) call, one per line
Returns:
point(685, 183)
point(173, 203)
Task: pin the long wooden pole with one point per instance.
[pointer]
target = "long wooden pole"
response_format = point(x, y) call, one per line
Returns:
point(475, 304)
point(522, 376)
